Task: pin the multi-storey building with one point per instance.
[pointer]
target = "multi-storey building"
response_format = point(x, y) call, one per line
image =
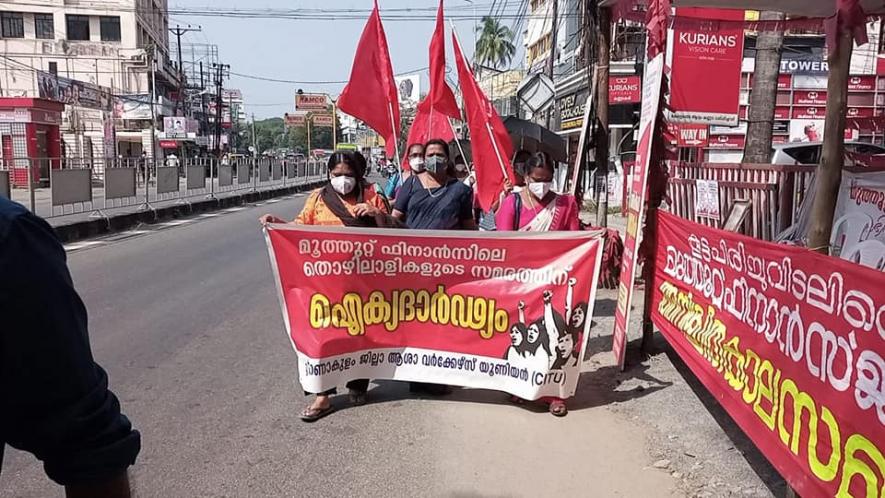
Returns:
point(74, 51)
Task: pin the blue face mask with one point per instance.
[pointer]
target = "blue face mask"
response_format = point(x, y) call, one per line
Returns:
point(434, 164)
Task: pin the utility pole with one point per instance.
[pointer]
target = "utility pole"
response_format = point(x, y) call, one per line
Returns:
point(603, 54)
point(551, 60)
point(178, 31)
point(254, 138)
point(219, 102)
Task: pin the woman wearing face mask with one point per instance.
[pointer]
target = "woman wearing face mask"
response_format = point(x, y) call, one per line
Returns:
point(415, 158)
point(347, 200)
point(536, 208)
point(432, 199)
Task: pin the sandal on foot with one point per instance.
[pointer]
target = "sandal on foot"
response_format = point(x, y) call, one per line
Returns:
point(358, 398)
point(558, 409)
point(311, 414)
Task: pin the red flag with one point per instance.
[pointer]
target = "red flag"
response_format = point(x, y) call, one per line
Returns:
point(371, 95)
point(489, 140)
point(431, 118)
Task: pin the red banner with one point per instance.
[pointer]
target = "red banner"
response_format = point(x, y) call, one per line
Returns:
point(443, 307)
point(791, 344)
point(638, 190)
point(624, 89)
point(707, 54)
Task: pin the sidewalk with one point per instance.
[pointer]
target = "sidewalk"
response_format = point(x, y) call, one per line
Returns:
point(688, 434)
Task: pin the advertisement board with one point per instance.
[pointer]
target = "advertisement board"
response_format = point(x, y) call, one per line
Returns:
point(707, 54)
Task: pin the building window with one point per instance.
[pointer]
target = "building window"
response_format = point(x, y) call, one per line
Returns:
point(537, 4)
point(44, 26)
point(110, 28)
point(13, 24)
point(53, 68)
point(78, 27)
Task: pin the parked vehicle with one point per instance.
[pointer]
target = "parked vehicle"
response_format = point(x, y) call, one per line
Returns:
point(810, 152)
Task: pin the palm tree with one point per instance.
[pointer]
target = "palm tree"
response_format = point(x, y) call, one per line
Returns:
point(495, 45)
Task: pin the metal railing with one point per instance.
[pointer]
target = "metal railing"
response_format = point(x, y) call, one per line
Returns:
point(774, 190)
point(56, 187)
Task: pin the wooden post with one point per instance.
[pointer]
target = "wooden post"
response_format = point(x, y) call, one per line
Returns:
point(829, 173)
point(603, 48)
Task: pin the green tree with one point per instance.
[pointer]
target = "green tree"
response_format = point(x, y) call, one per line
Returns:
point(494, 48)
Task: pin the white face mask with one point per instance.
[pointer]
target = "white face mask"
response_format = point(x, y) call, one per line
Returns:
point(540, 189)
point(343, 184)
point(417, 164)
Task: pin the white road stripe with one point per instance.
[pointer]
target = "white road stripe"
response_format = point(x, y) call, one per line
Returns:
point(82, 245)
point(208, 215)
point(175, 223)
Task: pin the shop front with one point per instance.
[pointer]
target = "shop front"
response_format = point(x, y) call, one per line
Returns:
point(29, 138)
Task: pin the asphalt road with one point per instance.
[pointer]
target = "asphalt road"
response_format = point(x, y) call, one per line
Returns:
point(185, 319)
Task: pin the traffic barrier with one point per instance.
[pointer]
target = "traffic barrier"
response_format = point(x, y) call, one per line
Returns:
point(196, 177)
point(4, 184)
point(167, 180)
point(71, 186)
point(263, 171)
point(225, 175)
point(119, 183)
point(244, 173)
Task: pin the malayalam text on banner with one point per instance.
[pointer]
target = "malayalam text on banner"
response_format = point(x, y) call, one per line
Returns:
point(789, 341)
point(453, 308)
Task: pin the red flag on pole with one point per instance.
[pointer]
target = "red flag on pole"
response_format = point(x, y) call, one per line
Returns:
point(432, 116)
point(489, 140)
point(371, 95)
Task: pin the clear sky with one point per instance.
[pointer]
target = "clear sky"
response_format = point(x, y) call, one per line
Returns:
point(322, 50)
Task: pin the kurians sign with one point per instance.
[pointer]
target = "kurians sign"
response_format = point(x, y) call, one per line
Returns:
point(706, 55)
point(704, 42)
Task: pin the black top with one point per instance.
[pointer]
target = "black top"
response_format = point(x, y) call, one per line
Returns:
point(55, 399)
point(442, 208)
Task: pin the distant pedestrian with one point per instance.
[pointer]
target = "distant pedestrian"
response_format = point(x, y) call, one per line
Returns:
point(346, 200)
point(54, 397)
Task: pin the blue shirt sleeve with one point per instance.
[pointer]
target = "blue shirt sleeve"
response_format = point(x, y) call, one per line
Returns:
point(404, 194)
point(55, 398)
point(390, 188)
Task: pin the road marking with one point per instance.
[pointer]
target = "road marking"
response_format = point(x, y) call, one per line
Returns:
point(175, 223)
point(209, 215)
point(81, 245)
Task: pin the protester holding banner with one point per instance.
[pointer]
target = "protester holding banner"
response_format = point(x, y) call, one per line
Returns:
point(433, 199)
point(347, 200)
point(536, 208)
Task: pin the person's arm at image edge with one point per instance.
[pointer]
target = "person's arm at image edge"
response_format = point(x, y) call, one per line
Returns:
point(57, 405)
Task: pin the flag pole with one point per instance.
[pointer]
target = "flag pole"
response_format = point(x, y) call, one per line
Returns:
point(488, 127)
point(458, 143)
point(395, 132)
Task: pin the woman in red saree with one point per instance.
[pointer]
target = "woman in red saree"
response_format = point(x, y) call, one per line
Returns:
point(536, 208)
